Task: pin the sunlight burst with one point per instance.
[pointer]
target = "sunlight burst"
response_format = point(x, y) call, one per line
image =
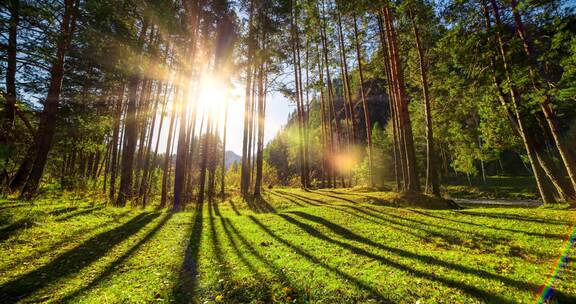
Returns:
point(213, 97)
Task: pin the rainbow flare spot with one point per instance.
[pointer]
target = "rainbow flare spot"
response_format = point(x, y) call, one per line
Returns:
point(548, 289)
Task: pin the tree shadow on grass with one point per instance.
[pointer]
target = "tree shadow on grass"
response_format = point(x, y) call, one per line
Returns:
point(516, 217)
point(9, 230)
point(188, 278)
point(71, 261)
point(111, 267)
point(308, 200)
point(375, 199)
point(451, 238)
point(233, 205)
point(259, 204)
point(218, 255)
point(16, 205)
point(295, 200)
point(296, 292)
point(55, 246)
point(344, 276)
point(59, 211)
point(537, 234)
point(78, 213)
point(471, 290)
point(323, 193)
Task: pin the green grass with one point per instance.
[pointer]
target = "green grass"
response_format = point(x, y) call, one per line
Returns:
point(495, 187)
point(292, 246)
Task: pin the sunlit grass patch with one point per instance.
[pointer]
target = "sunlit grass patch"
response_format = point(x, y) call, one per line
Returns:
point(317, 246)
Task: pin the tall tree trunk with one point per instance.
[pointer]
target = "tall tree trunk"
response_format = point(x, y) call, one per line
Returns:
point(412, 184)
point(334, 148)
point(245, 175)
point(431, 173)
point(130, 140)
point(48, 118)
point(181, 153)
point(545, 194)
point(260, 137)
point(348, 107)
point(549, 114)
point(168, 155)
point(297, 86)
point(115, 141)
point(204, 161)
point(368, 123)
point(326, 173)
point(391, 103)
point(223, 177)
point(148, 152)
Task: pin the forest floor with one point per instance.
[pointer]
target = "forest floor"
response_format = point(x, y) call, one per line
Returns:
point(495, 187)
point(292, 246)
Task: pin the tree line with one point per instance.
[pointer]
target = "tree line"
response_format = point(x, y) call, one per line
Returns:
point(94, 89)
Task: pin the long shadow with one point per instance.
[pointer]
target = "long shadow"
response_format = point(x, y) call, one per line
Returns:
point(516, 217)
point(359, 283)
point(292, 200)
point(7, 231)
point(216, 246)
point(374, 198)
point(111, 267)
point(187, 279)
point(229, 229)
point(71, 261)
point(451, 239)
point(336, 197)
point(544, 235)
point(346, 233)
point(274, 193)
point(17, 205)
point(231, 201)
point(471, 290)
point(78, 213)
point(59, 244)
point(406, 228)
point(304, 198)
point(488, 241)
point(259, 205)
point(60, 211)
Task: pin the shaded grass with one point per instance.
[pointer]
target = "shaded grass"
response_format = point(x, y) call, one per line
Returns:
point(495, 187)
point(288, 246)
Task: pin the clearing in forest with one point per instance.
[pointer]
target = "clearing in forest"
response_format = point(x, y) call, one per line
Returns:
point(292, 246)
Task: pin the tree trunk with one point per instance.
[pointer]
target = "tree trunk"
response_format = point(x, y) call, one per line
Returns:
point(167, 156)
point(48, 118)
point(148, 151)
point(551, 119)
point(204, 161)
point(260, 137)
point(546, 196)
point(431, 173)
point(368, 123)
point(223, 177)
point(245, 175)
point(181, 153)
point(116, 141)
point(412, 183)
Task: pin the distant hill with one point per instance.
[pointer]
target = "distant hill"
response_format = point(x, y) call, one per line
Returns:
point(231, 158)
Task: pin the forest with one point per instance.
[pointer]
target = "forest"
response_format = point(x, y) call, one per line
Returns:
point(287, 151)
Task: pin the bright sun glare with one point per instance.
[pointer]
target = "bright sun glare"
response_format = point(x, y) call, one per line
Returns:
point(213, 97)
